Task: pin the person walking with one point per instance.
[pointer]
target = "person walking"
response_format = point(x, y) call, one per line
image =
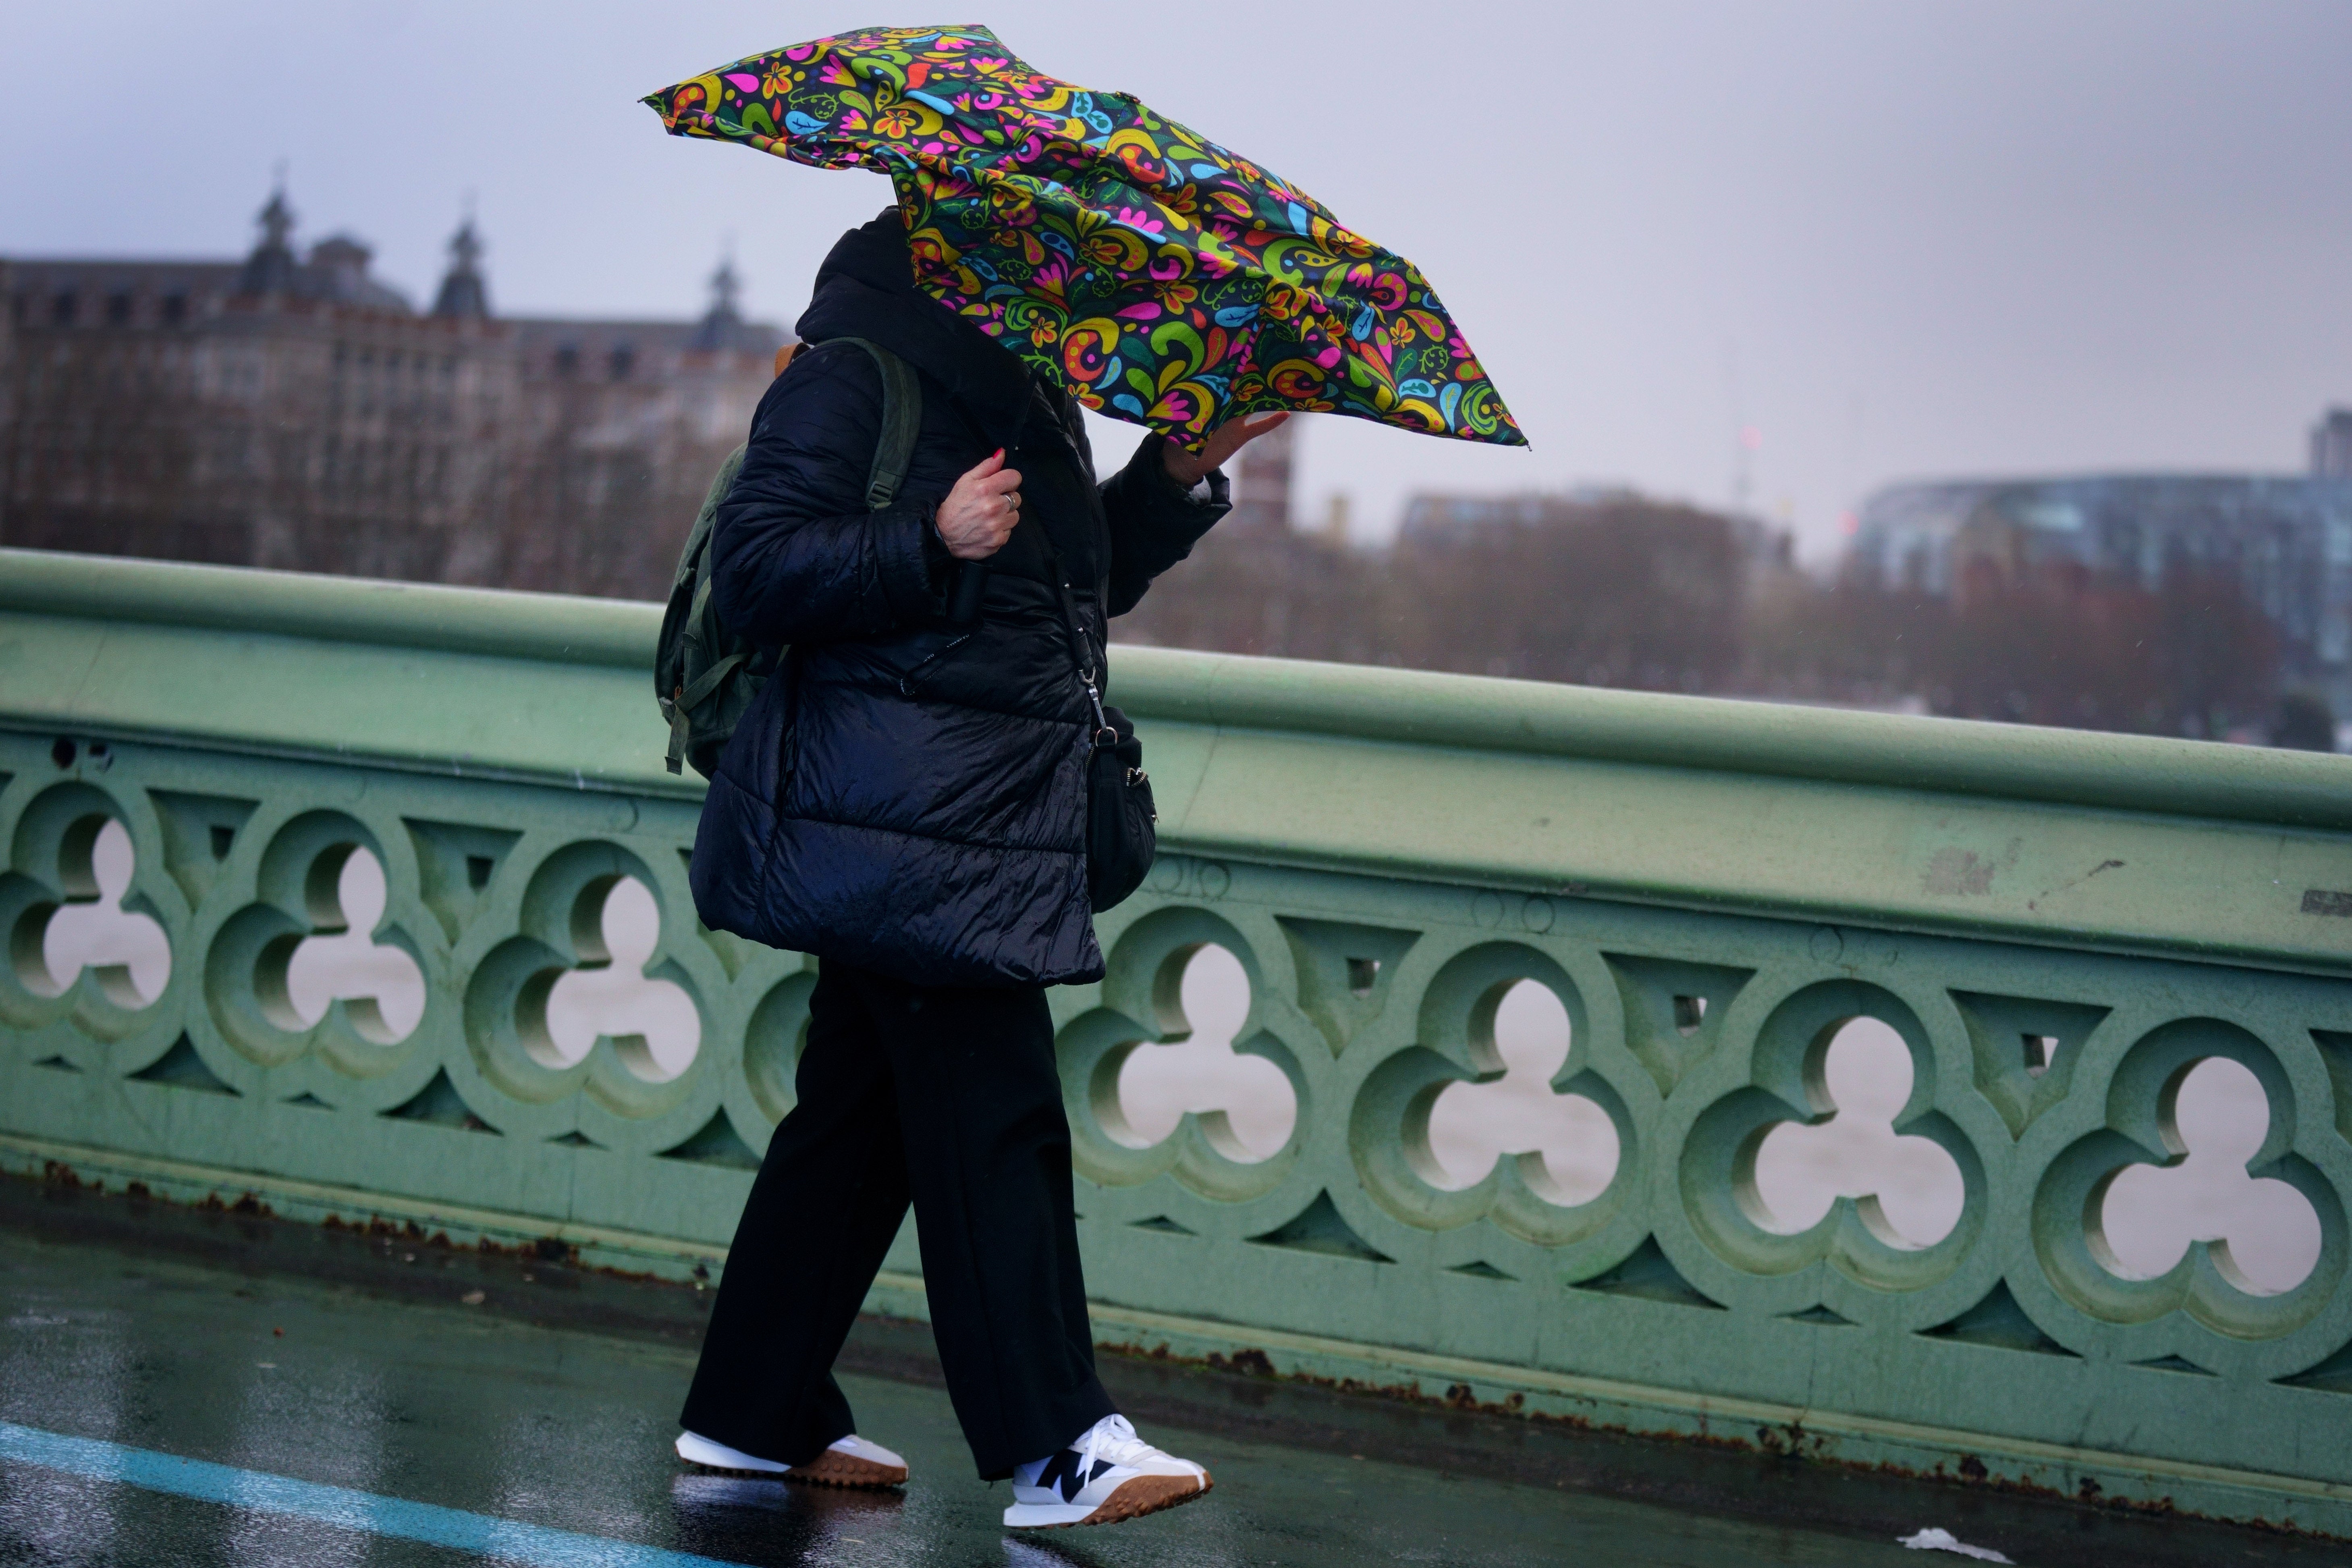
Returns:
point(906, 800)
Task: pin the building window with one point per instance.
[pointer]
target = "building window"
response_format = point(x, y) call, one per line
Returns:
point(567, 361)
point(625, 359)
point(63, 309)
point(118, 309)
point(176, 309)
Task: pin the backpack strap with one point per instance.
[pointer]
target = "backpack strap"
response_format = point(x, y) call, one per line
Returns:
point(689, 621)
point(902, 420)
point(690, 629)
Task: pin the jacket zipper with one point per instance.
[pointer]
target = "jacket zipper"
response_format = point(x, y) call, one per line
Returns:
point(913, 677)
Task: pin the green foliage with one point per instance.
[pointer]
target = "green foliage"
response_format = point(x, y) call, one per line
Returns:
point(2304, 723)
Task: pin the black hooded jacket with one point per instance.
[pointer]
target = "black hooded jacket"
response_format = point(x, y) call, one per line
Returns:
point(908, 796)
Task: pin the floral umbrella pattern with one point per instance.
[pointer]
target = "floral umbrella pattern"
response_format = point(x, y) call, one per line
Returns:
point(1162, 279)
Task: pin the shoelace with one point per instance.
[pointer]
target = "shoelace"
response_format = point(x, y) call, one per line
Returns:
point(1113, 1438)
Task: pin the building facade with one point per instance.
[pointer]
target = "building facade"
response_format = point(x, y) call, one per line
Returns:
point(624, 423)
point(1262, 502)
point(2331, 445)
point(2286, 540)
point(291, 410)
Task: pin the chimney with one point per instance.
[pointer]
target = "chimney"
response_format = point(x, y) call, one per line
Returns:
point(2331, 446)
point(1262, 487)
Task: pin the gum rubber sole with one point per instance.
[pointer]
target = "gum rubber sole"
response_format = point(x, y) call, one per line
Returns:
point(833, 1468)
point(846, 1470)
point(1143, 1495)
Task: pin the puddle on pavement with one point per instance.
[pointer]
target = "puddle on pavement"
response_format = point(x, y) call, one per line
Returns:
point(571, 1430)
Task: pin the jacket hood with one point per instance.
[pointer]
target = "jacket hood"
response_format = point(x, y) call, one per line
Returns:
point(867, 289)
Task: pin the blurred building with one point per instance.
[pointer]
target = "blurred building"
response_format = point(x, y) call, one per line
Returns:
point(624, 423)
point(1433, 518)
point(292, 410)
point(2331, 445)
point(1261, 482)
point(2286, 540)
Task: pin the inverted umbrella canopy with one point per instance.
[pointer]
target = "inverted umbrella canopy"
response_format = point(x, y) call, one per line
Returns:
point(1162, 279)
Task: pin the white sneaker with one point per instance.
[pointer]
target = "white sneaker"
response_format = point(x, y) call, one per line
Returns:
point(850, 1462)
point(1106, 1476)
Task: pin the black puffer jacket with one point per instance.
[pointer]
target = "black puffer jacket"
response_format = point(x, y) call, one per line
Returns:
point(907, 795)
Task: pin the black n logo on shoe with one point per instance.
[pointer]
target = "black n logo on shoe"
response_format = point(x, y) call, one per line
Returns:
point(1066, 1473)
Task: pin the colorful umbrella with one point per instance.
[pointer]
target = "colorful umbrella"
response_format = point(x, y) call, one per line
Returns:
point(1165, 279)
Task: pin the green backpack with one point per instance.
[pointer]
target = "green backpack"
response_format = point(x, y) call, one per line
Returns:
point(705, 676)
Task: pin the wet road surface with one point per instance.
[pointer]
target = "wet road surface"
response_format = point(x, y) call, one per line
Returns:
point(489, 1419)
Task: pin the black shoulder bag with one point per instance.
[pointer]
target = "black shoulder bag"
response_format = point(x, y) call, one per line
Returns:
point(1120, 835)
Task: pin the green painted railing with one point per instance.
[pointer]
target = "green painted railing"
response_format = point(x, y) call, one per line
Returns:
point(1711, 888)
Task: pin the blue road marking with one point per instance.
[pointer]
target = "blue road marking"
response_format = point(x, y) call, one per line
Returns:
point(342, 1506)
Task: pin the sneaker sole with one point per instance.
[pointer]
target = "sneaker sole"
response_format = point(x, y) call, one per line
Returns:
point(1143, 1495)
point(837, 1469)
point(845, 1470)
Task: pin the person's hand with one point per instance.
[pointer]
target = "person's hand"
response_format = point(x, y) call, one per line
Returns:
point(977, 516)
point(1188, 469)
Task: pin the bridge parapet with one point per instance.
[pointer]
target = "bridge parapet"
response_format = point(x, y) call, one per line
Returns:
point(2056, 926)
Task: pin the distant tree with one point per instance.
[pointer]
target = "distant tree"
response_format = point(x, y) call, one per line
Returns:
point(2216, 654)
point(1628, 593)
point(103, 458)
point(1641, 593)
point(1274, 593)
point(2304, 723)
point(1848, 642)
point(1621, 592)
point(2195, 657)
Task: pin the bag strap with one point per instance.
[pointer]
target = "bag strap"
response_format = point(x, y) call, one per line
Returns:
point(1105, 734)
point(894, 450)
point(698, 624)
point(902, 420)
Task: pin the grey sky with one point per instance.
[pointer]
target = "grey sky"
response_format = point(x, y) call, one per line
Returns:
point(1900, 239)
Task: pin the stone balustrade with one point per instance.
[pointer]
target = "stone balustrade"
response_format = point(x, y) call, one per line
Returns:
point(2053, 930)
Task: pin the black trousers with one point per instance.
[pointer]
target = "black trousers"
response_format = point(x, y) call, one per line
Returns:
point(949, 1097)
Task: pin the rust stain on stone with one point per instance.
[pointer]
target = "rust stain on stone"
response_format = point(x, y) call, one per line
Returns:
point(2035, 902)
point(1956, 872)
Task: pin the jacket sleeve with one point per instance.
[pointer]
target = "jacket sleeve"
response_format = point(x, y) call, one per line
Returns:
point(1154, 523)
point(795, 556)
